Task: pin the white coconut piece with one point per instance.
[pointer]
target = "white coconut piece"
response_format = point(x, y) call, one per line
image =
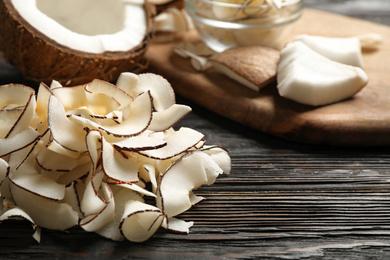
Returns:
point(94, 146)
point(117, 167)
point(198, 62)
point(227, 12)
point(113, 118)
point(140, 221)
point(92, 202)
point(187, 174)
point(26, 117)
point(4, 169)
point(86, 113)
point(148, 173)
point(137, 188)
point(55, 84)
point(312, 79)
point(8, 117)
point(172, 20)
point(134, 123)
point(115, 93)
point(52, 161)
point(20, 97)
point(72, 199)
point(71, 97)
point(220, 156)
point(52, 175)
point(45, 212)
point(17, 158)
point(19, 141)
point(15, 94)
point(121, 196)
point(160, 90)
point(27, 176)
point(177, 143)
point(163, 165)
point(75, 174)
point(139, 143)
point(100, 103)
point(54, 146)
point(167, 118)
point(17, 213)
point(16, 111)
point(144, 173)
point(127, 81)
point(370, 41)
point(346, 50)
point(199, 48)
point(178, 225)
point(65, 132)
point(96, 221)
point(38, 184)
point(194, 199)
point(41, 109)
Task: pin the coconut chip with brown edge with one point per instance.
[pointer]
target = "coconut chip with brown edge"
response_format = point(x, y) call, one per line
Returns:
point(103, 157)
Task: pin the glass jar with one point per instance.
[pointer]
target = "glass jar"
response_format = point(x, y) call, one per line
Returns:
point(223, 24)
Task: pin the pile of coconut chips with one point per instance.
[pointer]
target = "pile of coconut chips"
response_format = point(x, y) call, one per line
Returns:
point(103, 157)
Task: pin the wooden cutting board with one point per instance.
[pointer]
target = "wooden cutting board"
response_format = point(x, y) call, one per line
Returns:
point(363, 120)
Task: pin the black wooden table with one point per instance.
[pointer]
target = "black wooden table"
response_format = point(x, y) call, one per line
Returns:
point(283, 200)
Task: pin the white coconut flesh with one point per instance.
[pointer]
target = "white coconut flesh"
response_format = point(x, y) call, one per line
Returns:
point(343, 50)
point(307, 77)
point(93, 26)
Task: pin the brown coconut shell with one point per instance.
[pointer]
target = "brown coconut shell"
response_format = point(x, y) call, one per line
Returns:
point(257, 64)
point(41, 59)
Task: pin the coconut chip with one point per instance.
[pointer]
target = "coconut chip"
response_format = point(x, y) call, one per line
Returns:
point(186, 174)
point(370, 41)
point(98, 219)
point(178, 225)
point(16, 213)
point(88, 155)
point(4, 168)
point(140, 221)
point(169, 22)
point(177, 143)
point(198, 54)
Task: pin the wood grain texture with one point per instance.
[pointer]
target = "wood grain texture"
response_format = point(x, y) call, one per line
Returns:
point(361, 120)
point(283, 200)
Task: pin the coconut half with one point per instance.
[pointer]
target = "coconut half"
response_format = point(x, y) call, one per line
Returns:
point(75, 41)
